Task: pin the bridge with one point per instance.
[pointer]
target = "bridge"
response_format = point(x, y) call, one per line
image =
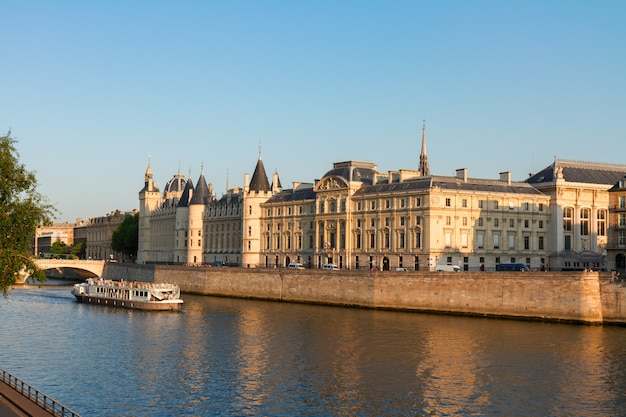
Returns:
point(84, 269)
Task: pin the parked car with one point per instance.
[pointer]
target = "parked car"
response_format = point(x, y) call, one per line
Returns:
point(295, 265)
point(448, 268)
point(330, 267)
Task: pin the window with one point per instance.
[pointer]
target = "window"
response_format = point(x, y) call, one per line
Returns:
point(480, 240)
point(418, 220)
point(480, 222)
point(358, 222)
point(448, 237)
point(601, 222)
point(526, 224)
point(387, 203)
point(496, 241)
point(511, 223)
point(359, 206)
point(511, 241)
point(372, 222)
point(541, 224)
point(418, 202)
point(622, 219)
point(448, 220)
point(527, 206)
point(568, 214)
point(401, 240)
point(464, 239)
point(402, 202)
point(540, 206)
point(464, 221)
point(464, 202)
point(372, 241)
point(496, 222)
point(418, 240)
point(622, 201)
point(526, 242)
point(584, 222)
point(621, 239)
point(540, 243)
point(402, 221)
point(373, 205)
point(448, 202)
point(481, 204)
point(358, 241)
point(496, 205)
point(388, 221)
point(386, 237)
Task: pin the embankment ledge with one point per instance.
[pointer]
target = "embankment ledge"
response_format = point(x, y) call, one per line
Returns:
point(583, 297)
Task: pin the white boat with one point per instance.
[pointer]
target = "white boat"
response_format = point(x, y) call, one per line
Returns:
point(126, 294)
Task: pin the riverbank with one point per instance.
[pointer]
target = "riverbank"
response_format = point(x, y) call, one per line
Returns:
point(580, 297)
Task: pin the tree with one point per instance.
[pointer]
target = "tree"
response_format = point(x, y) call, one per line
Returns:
point(79, 250)
point(22, 211)
point(59, 247)
point(126, 237)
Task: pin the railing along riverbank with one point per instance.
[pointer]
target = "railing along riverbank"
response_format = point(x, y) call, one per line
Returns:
point(48, 404)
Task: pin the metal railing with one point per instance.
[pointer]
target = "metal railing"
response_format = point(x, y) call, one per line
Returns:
point(42, 400)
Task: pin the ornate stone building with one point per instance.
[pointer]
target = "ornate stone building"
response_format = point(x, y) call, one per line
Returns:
point(358, 218)
point(616, 247)
point(579, 211)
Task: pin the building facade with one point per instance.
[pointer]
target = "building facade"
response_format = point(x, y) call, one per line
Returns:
point(579, 211)
point(616, 247)
point(356, 217)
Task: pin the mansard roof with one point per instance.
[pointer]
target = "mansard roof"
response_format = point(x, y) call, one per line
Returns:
point(187, 193)
point(259, 180)
point(201, 195)
point(449, 183)
point(299, 194)
point(579, 172)
point(354, 171)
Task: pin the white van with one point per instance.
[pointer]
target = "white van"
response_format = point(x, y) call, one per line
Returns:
point(295, 265)
point(331, 267)
point(448, 268)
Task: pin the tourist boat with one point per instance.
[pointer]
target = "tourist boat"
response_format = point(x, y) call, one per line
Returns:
point(125, 294)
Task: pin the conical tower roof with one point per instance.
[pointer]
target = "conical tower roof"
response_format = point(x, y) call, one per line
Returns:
point(259, 180)
point(187, 193)
point(201, 194)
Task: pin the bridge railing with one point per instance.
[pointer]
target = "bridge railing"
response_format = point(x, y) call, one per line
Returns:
point(42, 400)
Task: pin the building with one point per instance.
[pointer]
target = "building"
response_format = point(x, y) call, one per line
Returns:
point(616, 247)
point(358, 218)
point(99, 235)
point(579, 211)
point(186, 224)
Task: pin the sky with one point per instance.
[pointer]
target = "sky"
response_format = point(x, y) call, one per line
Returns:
point(93, 91)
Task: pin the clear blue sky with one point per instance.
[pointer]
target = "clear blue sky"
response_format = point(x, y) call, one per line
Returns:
point(92, 89)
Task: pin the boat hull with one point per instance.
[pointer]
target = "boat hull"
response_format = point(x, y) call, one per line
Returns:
point(167, 305)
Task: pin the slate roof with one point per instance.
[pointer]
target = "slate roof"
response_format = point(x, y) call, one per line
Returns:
point(450, 183)
point(186, 197)
point(201, 194)
point(291, 195)
point(259, 180)
point(580, 172)
point(352, 173)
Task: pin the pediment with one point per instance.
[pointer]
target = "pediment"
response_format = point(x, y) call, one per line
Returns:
point(331, 183)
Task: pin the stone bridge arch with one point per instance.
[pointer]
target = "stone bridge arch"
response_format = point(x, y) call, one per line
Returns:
point(84, 269)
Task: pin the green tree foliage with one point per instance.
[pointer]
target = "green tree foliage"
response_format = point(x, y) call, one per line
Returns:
point(60, 248)
point(126, 237)
point(79, 250)
point(22, 211)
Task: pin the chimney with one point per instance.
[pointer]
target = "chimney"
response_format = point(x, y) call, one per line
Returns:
point(506, 177)
point(461, 173)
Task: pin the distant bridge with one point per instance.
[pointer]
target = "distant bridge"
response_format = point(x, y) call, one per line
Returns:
point(85, 269)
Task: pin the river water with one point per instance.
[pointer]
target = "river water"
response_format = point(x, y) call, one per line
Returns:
point(233, 357)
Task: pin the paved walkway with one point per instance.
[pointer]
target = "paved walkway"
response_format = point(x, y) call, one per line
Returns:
point(14, 404)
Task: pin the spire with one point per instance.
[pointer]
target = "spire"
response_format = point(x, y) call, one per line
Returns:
point(149, 184)
point(259, 181)
point(424, 170)
point(201, 193)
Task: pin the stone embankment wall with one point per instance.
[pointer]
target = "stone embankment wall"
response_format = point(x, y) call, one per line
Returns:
point(559, 296)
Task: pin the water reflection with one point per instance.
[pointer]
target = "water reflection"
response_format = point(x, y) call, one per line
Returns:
point(242, 357)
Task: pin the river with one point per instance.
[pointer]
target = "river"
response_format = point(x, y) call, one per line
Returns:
point(234, 357)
